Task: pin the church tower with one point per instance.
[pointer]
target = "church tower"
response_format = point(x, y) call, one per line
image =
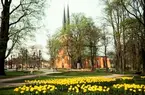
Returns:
point(63, 60)
point(66, 17)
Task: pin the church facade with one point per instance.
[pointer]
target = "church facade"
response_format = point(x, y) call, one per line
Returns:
point(64, 61)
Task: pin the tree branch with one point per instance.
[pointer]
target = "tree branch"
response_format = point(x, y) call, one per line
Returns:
point(132, 13)
point(23, 14)
point(18, 31)
point(18, 19)
point(15, 9)
point(9, 51)
point(142, 3)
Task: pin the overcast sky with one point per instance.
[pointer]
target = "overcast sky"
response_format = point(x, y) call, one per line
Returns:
point(54, 16)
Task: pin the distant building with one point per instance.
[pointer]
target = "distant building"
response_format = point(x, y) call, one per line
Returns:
point(45, 64)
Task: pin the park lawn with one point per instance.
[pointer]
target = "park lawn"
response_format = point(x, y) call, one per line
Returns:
point(80, 73)
point(63, 75)
point(7, 91)
point(11, 74)
point(35, 78)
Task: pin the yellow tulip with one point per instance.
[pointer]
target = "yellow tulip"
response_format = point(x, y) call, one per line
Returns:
point(22, 92)
point(139, 89)
point(16, 89)
point(44, 92)
point(134, 90)
point(84, 90)
point(36, 92)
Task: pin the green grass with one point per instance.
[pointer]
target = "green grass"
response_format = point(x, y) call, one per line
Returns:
point(7, 91)
point(11, 74)
point(80, 73)
point(20, 73)
point(34, 78)
point(63, 75)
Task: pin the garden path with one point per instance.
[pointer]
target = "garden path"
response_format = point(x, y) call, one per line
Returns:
point(3, 82)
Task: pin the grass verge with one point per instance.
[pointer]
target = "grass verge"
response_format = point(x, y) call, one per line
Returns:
point(11, 74)
point(7, 91)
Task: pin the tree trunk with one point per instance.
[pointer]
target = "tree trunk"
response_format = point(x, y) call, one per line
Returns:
point(143, 59)
point(2, 70)
point(106, 59)
point(4, 34)
point(143, 48)
point(92, 57)
point(92, 63)
point(73, 63)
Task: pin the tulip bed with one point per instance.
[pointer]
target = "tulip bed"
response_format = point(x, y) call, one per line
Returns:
point(82, 86)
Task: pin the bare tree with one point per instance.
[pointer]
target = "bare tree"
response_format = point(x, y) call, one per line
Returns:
point(115, 15)
point(136, 8)
point(15, 16)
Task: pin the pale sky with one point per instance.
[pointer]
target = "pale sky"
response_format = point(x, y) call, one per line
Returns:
point(54, 16)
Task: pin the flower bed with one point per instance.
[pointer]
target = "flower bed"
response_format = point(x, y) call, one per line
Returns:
point(82, 86)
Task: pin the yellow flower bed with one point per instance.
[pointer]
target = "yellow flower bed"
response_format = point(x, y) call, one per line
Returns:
point(88, 88)
point(35, 89)
point(128, 78)
point(143, 77)
point(130, 87)
point(70, 81)
point(81, 86)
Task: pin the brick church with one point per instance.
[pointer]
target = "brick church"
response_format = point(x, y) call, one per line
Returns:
point(63, 60)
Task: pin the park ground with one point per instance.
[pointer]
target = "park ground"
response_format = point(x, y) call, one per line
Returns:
point(16, 79)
